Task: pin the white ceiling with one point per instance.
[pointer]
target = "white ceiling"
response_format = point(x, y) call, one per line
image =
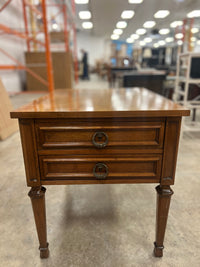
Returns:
point(106, 13)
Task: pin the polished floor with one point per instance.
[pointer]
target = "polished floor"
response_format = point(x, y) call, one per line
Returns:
point(99, 225)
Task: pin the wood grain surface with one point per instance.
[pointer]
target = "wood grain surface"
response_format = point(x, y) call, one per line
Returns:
point(74, 103)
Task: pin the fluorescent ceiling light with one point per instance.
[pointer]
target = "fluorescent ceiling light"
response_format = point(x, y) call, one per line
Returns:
point(147, 40)
point(55, 26)
point(193, 39)
point(135, 1)
point(161, 42)
point(118, 31)
point(79, 2)
point(179, 36)
point(87, 25)
point(85, 15)
point(180, 42)
point(149, 24)
point(135, 36)
point(169, 39)
point(161, 14)
point(156, 45)
point(127, 14)
point(129, 40)
point(114, 37)
point(164, 31)
point(194, 30)
point(194, 14)
point(141, 31)
point(176, 23)
point(142, 43)
point(121, 24)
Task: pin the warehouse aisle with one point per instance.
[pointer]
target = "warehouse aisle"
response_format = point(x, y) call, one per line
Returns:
point(95, 82)
point(99, 225)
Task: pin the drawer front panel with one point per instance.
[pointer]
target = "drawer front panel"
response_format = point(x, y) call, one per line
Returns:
point(82, 168)
point(124, 135)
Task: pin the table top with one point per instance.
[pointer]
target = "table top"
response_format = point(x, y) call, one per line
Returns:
point(91, 103)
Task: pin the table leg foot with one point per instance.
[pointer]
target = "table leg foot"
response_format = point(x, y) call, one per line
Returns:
point(164, 194)
point(44, 252)
point(158, 251)
point(37, 195)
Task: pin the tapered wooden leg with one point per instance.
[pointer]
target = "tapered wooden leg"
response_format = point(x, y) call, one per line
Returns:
point(164, 194)
point(37, 195)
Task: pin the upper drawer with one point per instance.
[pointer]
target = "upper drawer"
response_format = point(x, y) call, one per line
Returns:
point(100, 136)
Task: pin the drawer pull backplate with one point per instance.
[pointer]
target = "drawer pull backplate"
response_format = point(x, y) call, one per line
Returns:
point(100, 171)
point(100, 139)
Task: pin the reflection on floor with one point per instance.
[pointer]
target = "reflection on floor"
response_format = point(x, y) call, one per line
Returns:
point(99, 225)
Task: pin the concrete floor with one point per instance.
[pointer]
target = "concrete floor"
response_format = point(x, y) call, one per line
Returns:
point(99, 225)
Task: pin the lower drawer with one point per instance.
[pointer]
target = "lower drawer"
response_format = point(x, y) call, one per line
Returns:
point(137, 167)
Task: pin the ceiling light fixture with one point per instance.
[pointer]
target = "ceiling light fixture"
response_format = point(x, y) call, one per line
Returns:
point(114, 37)
point(180, 42)
point(156, 45)
point(135, 1)
point(164, 31)
point(127, 14)
point(85, 15)
point(135, 36)
point(169, 39)
point(121, 24)
point(148, 40)
point(149, 24)
point(179, 36)
point(80, 2)
point(161, 42)
point(129, 40)
point(87, 25)
point(118, 31)
point(142, 43)
point(194, 30)
point(176, 23)
point(161, 14)
point(141, 31)
point(55, 26)
point(194, 14)
point(193, 39)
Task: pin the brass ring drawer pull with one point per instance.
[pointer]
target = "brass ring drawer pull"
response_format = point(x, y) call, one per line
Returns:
point(100, 171)
point(100, 139)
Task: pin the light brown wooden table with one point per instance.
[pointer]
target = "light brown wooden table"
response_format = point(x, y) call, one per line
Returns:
point(107, 136)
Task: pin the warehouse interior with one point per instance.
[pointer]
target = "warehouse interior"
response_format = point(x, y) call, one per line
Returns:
point(52, 45)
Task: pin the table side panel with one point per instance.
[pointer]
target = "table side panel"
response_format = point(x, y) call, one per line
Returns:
point(29, 147)
point(171, 142)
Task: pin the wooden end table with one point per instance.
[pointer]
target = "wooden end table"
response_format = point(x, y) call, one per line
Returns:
point(109, 136)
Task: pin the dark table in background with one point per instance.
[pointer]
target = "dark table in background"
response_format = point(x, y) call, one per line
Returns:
point(152, 80)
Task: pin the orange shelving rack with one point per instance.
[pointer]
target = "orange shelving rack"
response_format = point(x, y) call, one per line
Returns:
point(30, 11)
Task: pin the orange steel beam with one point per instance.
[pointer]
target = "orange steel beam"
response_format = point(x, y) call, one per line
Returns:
point(19, 34)
point(5, 5)
point(11, 67)
point(48, 52)
point(25, 68)
point(65, 27)
point(26, 25)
